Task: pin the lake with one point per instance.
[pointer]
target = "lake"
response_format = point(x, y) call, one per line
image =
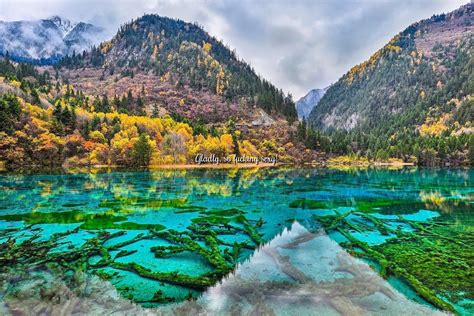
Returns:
point(270, 240)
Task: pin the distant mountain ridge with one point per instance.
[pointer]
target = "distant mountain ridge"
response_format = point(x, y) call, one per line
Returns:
point(47, 40)
point(305, 105)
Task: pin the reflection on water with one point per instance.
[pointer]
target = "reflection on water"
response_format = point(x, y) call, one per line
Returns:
point(297, 273)
point(304, 273)
point(160, 238)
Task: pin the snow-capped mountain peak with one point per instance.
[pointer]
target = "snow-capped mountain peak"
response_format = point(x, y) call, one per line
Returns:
point(47, 40)
point(65, 26)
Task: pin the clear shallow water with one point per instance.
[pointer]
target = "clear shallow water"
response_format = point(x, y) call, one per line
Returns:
point(307, 273)
point(166, 236)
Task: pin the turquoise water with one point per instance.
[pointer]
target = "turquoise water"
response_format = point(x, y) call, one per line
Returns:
point(162, 237)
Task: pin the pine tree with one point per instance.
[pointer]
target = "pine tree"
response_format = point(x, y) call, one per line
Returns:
point(86, 130)
point(140, 106)
point(142, 151)
point(105, 106)
point(129, 101)
point(116, 103)
point(235, 143)
point(66, 119)
point(35, 96)
point(9, 112)
point(97, 104)
point(155, 111)
point(57, 112)
point(301, 131)
point(95, 123)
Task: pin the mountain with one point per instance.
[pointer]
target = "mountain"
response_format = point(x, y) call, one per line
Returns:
point(46, 41)
point(181, 68)
point(161, 91)
point(64, 26)
point(308, 102)
point(423, 74)
point(412, 100)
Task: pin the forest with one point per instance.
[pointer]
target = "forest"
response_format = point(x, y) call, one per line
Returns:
point(46, 123)
point(409, 146)
point(53, 124)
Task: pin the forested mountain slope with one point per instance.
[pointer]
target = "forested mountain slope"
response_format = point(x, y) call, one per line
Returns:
point(180, 68)
point(160, 92)
point(46, 122)
point(427, 64)
point(412, 96)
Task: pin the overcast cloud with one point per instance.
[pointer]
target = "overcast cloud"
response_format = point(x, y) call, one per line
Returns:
point(297, 44)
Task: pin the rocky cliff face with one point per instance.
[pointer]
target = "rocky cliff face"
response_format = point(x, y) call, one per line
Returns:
point(306, 104)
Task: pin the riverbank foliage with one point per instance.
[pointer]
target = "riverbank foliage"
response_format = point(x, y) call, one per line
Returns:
point(449, 147)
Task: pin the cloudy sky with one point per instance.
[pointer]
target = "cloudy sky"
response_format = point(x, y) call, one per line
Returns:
point(297, 44)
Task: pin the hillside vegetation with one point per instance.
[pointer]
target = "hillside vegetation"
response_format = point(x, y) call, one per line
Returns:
point(48, 123)
point(168, 56)
point(413, 99)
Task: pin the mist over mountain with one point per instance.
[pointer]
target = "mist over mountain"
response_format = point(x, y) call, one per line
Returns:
point(305, 104)
point(47, 40)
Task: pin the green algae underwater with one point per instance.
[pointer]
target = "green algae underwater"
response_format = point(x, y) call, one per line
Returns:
point(164, 237)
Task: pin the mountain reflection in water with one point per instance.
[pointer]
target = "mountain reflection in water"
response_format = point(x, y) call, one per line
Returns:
point(305, 273)
point(299, 272)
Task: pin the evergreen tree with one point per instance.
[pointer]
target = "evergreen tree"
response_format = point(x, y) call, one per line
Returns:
point(97, 104)
point(301, 130)
point(9, 112)
point(471, 150)
point(67, 120)
point(155, 111)
point(105, 106)
point(140, 106)
point(35, 96)
point(142, 151)
point(86, 130)
point(57, 112)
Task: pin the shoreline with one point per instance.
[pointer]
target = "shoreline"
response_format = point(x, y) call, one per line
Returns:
point(214, 166)
point(191, 166)
point(372, 164)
